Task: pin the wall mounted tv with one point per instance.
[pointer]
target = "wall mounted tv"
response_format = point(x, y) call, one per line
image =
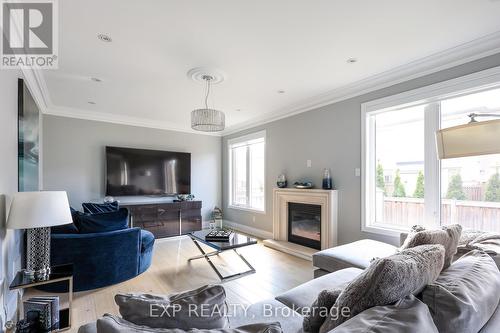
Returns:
point(147, 172)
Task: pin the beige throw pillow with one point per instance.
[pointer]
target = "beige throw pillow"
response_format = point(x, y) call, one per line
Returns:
point(386, 281)
point(448, 237)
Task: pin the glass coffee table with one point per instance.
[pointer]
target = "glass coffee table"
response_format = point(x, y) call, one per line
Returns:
point(236, 241)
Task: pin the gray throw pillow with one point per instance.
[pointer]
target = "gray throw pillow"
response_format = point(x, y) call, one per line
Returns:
point(386, 281)
point(408, 315)
point(448, 236)
point(317, 314)
point(204, 307)
point(113, 324)
point(464, 296)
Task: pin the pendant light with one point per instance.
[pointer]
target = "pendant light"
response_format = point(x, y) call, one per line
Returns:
point(207, 120)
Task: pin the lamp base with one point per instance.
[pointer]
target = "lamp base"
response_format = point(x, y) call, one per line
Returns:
point(38, 253)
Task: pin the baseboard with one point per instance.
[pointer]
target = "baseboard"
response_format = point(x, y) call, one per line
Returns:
point(259, 233)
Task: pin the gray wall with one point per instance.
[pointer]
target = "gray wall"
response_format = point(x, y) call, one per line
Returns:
point(73, 157)
point(10, 240)
point(331, 137)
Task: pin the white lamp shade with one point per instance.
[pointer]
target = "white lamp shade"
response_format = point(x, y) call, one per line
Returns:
point(39, 209)
point(479, 138)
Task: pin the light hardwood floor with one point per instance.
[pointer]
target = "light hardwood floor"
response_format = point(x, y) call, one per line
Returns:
point(170, 272)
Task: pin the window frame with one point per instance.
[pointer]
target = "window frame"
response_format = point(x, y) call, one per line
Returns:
point(230, 144)
point(429, 95)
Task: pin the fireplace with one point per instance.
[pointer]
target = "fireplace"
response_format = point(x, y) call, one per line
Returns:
point(304, 224)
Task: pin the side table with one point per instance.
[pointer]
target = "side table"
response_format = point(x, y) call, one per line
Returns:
point(57, 274)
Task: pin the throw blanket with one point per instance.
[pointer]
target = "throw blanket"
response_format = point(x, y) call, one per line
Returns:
point(488, 242)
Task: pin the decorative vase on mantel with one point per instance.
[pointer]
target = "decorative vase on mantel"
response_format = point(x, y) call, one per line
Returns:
point(282, 182)
point(327, 179)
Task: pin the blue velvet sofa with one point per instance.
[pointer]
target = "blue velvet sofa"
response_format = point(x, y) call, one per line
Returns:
point(101, 259)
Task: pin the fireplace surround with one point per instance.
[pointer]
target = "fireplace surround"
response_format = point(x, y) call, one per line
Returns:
point(326, 199)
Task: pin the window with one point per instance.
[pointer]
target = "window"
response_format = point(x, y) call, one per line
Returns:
point(247, 172)
point(404, 183)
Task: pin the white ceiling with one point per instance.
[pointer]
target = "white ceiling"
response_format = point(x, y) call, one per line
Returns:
point(262, 46)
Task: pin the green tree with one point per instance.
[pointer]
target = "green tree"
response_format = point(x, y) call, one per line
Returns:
point(399, 188)
point(380, 177)
point(455, 188)
point(493, 188)
point(419, 188)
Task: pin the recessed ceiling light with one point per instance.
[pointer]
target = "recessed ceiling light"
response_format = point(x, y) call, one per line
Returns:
point(281, 91)
point(352, 60)
point(104, 38)
point(91, 102)
point(237, 110)
point(96, 79)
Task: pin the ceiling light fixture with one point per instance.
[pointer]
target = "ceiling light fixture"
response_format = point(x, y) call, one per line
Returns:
point(207, 120)
point(104, 38)
point(91, 102)
point(281, 91)
point(352, 60)
point(96, 79)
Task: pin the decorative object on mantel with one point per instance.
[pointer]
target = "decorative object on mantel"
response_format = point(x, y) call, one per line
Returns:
point(217, 216)
point(327, 179)
point(281, 182)
point(185, 197)
point(303, 185)
point(37, 212)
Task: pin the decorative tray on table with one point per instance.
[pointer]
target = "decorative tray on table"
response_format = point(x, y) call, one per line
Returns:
point(219, 235)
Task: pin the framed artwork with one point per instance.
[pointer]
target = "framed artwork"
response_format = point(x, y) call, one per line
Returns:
point(28, 140)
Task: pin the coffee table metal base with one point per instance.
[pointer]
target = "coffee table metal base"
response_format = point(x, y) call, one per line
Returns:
point(216, 253)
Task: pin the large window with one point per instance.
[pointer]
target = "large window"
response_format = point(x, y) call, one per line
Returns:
point(246, 167)
point(404, 183)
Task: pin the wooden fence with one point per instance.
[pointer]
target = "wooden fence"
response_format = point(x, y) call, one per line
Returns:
point(477, 215)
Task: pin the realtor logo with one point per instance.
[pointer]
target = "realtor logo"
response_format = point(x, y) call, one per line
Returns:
point(29, 34)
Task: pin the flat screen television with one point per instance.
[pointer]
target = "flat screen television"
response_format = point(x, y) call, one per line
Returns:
point(147, 172)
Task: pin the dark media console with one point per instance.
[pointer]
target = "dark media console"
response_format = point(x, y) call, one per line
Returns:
point(166, 219)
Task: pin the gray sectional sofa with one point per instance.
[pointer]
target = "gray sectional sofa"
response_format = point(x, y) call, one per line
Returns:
point(285, 308)
point(463, 298)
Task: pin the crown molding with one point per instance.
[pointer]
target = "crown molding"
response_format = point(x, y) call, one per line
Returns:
point(120, 119)
point(36, 85)
point(461, 54)
point(458, 55)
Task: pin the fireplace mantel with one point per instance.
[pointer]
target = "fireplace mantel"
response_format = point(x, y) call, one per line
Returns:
point(327, 199)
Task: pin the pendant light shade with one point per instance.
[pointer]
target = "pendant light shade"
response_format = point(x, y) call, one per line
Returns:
point(208, 120)
point(473, 139)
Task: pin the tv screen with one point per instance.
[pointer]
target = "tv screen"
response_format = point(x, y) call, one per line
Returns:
point(147, 172)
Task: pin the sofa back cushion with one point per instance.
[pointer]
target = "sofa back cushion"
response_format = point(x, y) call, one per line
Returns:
point(112, 324)
point(184, 310)
point(386, 281)
point(102, 222)
point(94, 208)
point(464, 296)
point(448, 237)
point(408, 315)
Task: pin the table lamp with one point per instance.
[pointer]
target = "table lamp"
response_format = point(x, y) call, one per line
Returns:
point(37, 212)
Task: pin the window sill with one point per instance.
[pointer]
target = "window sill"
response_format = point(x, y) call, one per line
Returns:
point(247, 209)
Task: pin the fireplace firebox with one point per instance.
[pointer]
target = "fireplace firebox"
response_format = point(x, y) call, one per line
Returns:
point(304, 224)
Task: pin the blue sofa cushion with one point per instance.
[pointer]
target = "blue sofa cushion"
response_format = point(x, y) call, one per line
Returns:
point(147, 240)
point(102, 222)
point(64, 229)
point(95, 208)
